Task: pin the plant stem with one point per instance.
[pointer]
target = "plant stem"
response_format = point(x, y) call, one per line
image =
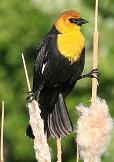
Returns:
point(95, 57)
point(2, 133)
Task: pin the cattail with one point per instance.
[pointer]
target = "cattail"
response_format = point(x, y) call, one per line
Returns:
point(40, 141)
point(94, 131)
point(94, 124)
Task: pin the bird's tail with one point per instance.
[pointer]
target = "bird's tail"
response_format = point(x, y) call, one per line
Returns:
point(59, 123)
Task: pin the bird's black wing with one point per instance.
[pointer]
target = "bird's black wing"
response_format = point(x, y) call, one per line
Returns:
point(41, 59)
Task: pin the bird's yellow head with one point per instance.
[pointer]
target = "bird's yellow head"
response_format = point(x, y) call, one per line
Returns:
point(69, 21)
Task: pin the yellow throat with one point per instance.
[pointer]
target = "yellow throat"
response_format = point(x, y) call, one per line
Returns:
point(71, 44)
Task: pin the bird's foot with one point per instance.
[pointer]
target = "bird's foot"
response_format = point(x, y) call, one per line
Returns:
point(92, 74)
point(30, 97)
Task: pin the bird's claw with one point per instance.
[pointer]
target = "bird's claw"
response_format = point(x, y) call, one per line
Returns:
point(94, 74)
point(30, 97)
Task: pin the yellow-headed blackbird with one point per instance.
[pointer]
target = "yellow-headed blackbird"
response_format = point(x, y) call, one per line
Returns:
point(59, 64)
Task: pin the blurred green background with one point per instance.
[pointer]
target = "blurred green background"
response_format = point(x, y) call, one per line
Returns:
point(22, 25)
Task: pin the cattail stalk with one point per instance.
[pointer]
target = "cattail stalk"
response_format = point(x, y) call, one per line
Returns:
point(2, 134)
point(26, 73)
point(95, 56)
point(59, 150)
point(94, 124)
point(41, 147)
point(95, 64)
point(77, 154)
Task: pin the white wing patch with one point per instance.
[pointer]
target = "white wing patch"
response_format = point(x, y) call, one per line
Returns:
point(43, 67)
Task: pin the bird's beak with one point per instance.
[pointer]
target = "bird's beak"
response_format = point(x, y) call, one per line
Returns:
point(81, 21)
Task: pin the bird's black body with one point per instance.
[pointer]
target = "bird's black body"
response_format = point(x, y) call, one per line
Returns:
point(54, 78)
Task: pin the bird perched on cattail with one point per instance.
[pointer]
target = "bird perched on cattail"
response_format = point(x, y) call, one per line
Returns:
point(59, 64)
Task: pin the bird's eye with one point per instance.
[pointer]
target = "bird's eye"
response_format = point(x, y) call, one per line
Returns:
point(72, 20)
point(78, 21)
